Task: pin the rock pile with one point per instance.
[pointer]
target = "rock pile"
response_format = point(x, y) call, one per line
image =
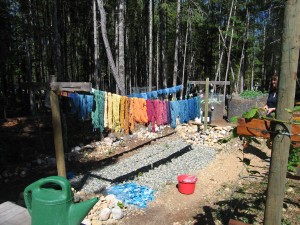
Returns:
point(108, 210)
point(195, 134)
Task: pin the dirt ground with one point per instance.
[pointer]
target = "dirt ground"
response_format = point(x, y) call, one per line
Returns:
point(219, 182)
point(172, 207)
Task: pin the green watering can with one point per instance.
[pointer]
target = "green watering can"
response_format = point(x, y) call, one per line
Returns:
point(50, 202)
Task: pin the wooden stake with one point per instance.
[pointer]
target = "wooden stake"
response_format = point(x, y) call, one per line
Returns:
point(206, 103)
point(57, 133)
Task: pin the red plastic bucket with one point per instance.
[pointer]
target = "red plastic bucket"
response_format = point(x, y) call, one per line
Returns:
point(186, 184)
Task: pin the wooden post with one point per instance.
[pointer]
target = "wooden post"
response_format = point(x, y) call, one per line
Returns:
point(285, 98)
point(57, 133)
point(206, 103)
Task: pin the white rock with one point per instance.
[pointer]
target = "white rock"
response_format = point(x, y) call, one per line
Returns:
point(110, 198)
point(117, 213)
point(86, 222)
point(77, 148)
point(104, 214)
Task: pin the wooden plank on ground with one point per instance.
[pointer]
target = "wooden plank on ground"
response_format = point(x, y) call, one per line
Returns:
point(12, 214)
point(263, 128)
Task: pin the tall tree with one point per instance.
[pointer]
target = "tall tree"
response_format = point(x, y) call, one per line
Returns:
point(150, 59)
point(121, 39)
point(175, 71)
point(286, 96)
point(120, 85)
point(96, 47)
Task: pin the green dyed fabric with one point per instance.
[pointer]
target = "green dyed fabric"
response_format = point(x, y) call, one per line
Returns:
point(98, 111)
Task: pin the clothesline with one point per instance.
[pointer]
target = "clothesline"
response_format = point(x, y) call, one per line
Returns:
point(120, 113)
point(156, 94)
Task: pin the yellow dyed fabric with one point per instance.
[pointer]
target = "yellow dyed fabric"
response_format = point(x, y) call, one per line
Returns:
point(116, 112)
point(109, 111)
point(105, 121)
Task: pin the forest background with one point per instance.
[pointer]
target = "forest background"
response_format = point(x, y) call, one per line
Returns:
point(121, 46)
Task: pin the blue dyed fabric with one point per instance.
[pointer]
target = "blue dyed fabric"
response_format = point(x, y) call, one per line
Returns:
point(82, 105)
point(75, 102)
point(132, 194)
point(174, 108)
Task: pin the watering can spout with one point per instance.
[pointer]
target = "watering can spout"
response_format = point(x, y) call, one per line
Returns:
point(80, 210)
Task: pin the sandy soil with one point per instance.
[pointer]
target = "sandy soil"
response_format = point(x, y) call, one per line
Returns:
point(172, 207)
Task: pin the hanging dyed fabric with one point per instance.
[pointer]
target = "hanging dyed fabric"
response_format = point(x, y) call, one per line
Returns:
point(98, 113)
point(158, 105)
point(122, 111)
point(105, 120)
point(116, 112)
point(151, 113)
point(81, 104)
point(138, 112)
point(174, 106)
point(126, 115)
point(198, 99)
point(164, 112)
point(109, 111)
point(168, 112)
point(183, 111)
point(141, 115)
point(75, 102)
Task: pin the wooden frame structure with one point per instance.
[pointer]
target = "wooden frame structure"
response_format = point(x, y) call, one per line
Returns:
point(56, 87)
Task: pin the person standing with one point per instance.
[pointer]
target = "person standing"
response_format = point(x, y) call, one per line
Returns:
point(270, 106)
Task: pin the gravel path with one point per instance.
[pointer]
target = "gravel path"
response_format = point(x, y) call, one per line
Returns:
point(154, 166)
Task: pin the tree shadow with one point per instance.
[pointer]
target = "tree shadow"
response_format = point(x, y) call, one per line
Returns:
point(255, 151)
point(241, 209)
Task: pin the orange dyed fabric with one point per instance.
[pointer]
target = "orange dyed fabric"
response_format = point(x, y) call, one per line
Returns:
point(137, 112)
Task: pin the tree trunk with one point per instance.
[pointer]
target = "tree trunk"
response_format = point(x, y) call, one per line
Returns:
point(163, 41)
point(184, 55)
point(57, 43)
point(157, 56)
point(225, 39)
point(228, 55)
point(286, 96)
point(150, 65)
point(120, 85)
point(175, 72)
point(96, 47)
point(121, 69)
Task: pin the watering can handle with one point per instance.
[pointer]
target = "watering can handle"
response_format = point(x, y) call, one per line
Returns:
point(28, 197)
point(61, 181)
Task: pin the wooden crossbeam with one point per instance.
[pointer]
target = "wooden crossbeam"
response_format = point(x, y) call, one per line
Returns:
point(71, 86)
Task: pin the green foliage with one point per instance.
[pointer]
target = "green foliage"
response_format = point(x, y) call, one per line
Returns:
point(295, 109)
point(251, 94)
point(294, 159)
point(120, 204)
point(234, 119)
point(253, 113)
